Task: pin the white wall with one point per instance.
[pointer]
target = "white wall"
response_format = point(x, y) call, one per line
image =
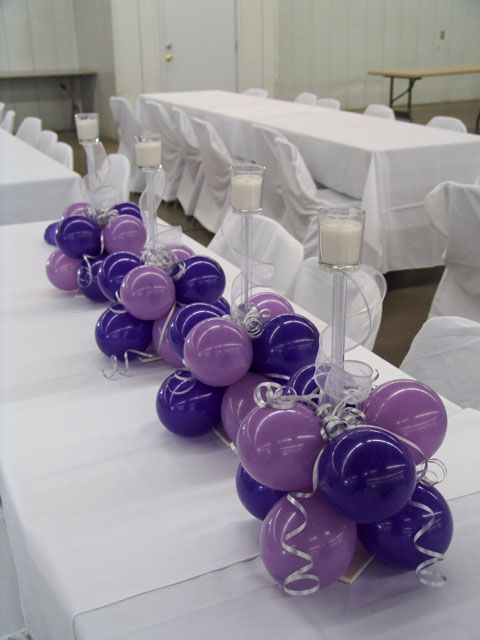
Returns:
point(37, 35)
point(327, 47)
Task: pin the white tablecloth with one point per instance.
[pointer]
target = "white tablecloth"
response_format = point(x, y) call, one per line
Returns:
point(33, 186)
point(121, 530)
point(389, 165)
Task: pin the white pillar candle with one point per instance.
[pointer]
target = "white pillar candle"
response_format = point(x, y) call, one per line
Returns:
point(87, 129)
point(148, 153)
point(246, 191)
point(340, 241)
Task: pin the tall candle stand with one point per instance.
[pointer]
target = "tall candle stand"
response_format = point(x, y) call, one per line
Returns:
point(246, 199)
point(340, 250)
point(88, 136)
point(148, 152)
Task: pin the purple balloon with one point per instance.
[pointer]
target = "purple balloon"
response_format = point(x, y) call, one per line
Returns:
point(62, 271)
point(147, 292)
point(329, 538)
point(255, 497)
point(87, 279)
point(128, 208)
point(182, 252)
point(77, 236)
point(278, 447)
point(412, 410)
point(198, 279)
point(238, 401)
point(186, 406)
point(185, 318)
point(218, 352)
point(223, 305)
point(391, 540)
point(77, 209)
point(306, 380)
point(271, 304)
point(113, 270)
point(124, 233)
point(162, 345)
point(50, 232)
point(287, 343)
point(117, 333)
point(366, 474)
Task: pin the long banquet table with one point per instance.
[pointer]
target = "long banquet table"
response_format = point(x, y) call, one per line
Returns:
point(121, 530)
point(389, 165)
point(33, 186)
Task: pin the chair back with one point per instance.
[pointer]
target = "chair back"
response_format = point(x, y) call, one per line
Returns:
point(306, 98)
point(8, 121)
point(380, 111)
point(259, 93)
point(63, 153)
point(128, 126)
point(29, 130)
point(266, 155)
point(185, 133)
point(445, 354)
point(447, 122)
point(2, 109)
point(328, 103)
point(46, 140)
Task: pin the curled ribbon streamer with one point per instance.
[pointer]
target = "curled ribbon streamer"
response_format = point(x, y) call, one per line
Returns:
point(184, 376)
point(228, 443)
point(427, 574)
point(87, 259)
point(116, 371)
point(180, 270)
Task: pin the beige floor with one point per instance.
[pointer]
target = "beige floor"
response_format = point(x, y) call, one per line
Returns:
point(409, 293)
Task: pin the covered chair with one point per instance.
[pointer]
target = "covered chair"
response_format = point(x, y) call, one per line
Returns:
point(114, 174)
point(8, 121)
point(271, 243)
point(128, 127)
point(46, 140)
point(380, 111)
point(2, 110)
point(29, 130)
point(362, 324)
point(454, 210)
point(63, 153)
point(259, 93)
point(158, 120)
point(328, 103)
point(447, 122)
point(11, 616)
point(445, 354)
point(192, 176)
point(306, 98)
point(214, 198)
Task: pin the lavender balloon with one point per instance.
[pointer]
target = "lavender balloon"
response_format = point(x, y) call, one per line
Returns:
point(87, 279)
point(391, 540)
point(128, 208)
point(77, 209)
point(237, 401)
point(198, 279)
point(161, 342)
point(113, 270)
point(186, 406)
point(278, 447)
point(329, 538)
point(255, 497)
point(187, 317)
point(124, 233)
point(218, 352)
point(412, 410)
point(181, 252)
point(147, 292)
point(271, 304)
point(77, 236)
point(116, 333)
point(62, 271)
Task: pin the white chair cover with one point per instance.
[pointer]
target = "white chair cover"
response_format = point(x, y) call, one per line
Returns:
point(306, 98)
point(29, 130)
point(313, 289)
point(380, 111)
point(128, 127)
point(454, 210)
point(445, 354)
point(113, 178)
point(259, 93)
point(158, 120)
point(192, 176)
point(270, 243)
point(8, 121)
point(11, 616)
point(328, 103)
point(2, 109)
point(447, 122)
point(266, 155)
point(46, 141)
point(63, 153)
point(214, 198)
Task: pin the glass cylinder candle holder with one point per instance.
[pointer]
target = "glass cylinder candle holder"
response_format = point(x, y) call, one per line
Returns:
point(148, 151)
point(246, 187)
point(87, 127)
point(340, 237)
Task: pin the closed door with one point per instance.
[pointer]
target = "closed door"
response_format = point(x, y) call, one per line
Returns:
point(199, 44)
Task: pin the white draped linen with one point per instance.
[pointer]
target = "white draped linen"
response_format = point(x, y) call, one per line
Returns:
point(389, 165)
point(121, 530)
point(33, 186)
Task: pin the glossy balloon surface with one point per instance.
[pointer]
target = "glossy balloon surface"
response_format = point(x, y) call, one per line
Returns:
point(77, 236)
point(181, 252)
point(412, 410)
point(128, 208)
point(49, 234)
point(186, 406)
point(271, 305)
point(161, 343)
point(77, 209)
point(116, 333)
point(124, 233)
point(391, 540)
point(202, 280)
point(62, 271)
point(87, 279)
point(287, 343)
point(329, 538)
point(237, 401)
point(367, 474)
point(113, 270)
point(147, 292)
point(185, 318)
point(223, 305)
point(278, 447)
point(255, 497)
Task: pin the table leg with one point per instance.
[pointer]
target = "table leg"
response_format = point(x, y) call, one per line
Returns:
point(477, 124)
point(391, 92)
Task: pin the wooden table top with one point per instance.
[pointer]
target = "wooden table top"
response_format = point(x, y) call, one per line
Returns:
point(422, 72)
point(46, 73)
